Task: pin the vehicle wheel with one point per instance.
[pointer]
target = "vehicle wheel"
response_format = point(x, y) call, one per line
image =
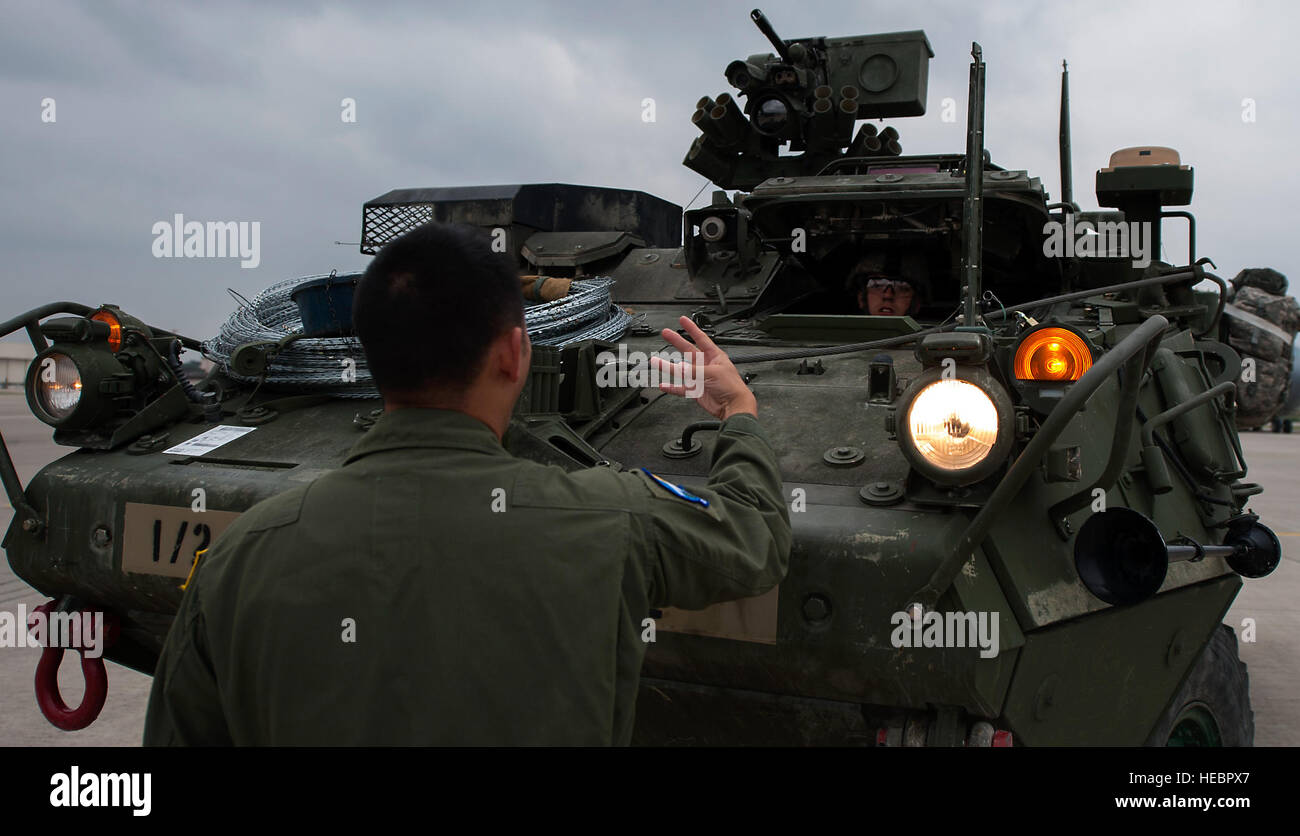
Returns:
point(1286, 425)
point(1213, 706)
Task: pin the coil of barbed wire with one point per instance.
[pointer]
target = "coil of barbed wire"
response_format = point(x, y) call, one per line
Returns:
point(586, 313)
point(316, 364)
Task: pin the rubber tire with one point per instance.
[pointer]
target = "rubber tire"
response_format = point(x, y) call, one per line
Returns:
point(1217, 682)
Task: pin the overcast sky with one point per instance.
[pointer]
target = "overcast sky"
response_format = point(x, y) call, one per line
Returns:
point(231, 111)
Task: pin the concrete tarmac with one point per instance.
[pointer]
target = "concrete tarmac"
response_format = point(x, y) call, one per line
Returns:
point(1272, 660)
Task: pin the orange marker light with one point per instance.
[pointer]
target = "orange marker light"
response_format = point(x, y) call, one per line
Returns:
point(1052, 354)
point(114, 328)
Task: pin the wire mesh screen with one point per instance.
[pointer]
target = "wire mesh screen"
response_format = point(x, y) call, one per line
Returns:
point(381, 224)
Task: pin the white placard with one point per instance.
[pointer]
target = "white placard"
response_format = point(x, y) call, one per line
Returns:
point(208, 441)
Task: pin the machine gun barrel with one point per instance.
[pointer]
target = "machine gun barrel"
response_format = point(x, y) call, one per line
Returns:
point(761, 21)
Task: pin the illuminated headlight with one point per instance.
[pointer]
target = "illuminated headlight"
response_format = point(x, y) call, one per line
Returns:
point(57, 387)
point(63, 385)
point(955, 431)
point(953, 424)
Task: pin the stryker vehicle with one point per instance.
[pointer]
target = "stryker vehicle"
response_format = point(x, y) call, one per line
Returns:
point(1018, 505)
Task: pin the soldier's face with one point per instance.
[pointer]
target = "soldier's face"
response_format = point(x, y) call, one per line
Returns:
point(886, 297)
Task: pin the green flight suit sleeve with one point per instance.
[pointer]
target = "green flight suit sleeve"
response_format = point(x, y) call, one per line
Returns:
point(185, 704)
point(738, 546)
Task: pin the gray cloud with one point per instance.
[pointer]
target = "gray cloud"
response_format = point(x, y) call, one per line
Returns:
point(231, 112)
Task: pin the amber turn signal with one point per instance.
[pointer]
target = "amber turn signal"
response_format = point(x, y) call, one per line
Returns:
point(1052, 355)
point(114, 328)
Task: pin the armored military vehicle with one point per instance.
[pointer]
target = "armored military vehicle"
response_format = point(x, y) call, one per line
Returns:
point(1017, 497)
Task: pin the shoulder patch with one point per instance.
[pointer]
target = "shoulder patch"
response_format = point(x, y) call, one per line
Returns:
point(676, 490)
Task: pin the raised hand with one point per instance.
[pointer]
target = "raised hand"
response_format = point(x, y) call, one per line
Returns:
point(705, 373)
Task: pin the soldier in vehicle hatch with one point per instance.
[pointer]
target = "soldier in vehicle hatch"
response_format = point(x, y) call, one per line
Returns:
point(436, 589)
point(882, 291)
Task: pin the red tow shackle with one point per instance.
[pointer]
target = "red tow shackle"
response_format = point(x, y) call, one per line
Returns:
point(47, 670)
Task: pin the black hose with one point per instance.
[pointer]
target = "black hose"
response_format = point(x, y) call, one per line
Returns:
point(174, 363)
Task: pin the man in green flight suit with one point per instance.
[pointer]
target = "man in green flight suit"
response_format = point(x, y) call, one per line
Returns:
point(436, 589)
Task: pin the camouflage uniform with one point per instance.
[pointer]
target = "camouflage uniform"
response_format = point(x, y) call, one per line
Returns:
point(1262, 321)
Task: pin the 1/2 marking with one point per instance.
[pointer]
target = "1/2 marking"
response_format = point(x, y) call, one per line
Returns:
point(206, 533)
point(164, 539)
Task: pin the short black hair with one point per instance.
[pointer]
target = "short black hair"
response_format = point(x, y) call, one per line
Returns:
point(429, 305)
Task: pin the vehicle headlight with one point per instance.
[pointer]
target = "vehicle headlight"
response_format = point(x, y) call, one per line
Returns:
point(65, 385)
point(953, 424)
point(955, 431)
point(105, 380)
point(57, 387)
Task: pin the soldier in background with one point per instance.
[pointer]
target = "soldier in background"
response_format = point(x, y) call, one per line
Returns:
point(492, 600)
point(881, 291)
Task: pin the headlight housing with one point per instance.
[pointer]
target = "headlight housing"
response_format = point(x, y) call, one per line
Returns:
point(1047, 360)
point(955, 430)
point(106, 379)
point(63, 385)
